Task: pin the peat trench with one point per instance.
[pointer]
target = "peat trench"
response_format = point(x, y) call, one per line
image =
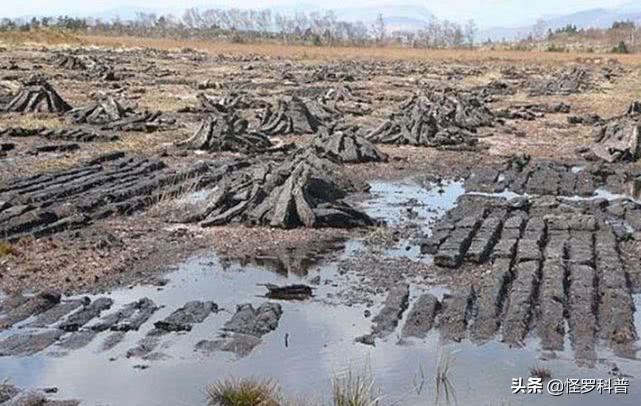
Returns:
point(554, 260)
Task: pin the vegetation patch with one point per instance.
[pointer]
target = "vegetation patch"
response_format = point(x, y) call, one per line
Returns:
point(243, 392)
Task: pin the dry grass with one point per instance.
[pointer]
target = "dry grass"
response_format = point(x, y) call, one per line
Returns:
point(42, 36)
point(310, 53)
point(350, 53)
point(31, 121)
point(131, 142)
point(444, 388)
point(243, 392)
point(7, 249)
point(540, 372)
point(355, 389)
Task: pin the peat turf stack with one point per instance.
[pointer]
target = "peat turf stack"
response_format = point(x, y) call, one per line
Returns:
point(226, 132)
point(225, 104)
point(619, 139)
point(292, 116)
point(5, 95)
point(112, 115)
point(343, 99)
point(37, 96)
point(104, 110)
point(346, 146)
point(332, 74)
point(569, 81)
point(437, 119)
point(70, 62)
point(489, 92)
point(302, 192)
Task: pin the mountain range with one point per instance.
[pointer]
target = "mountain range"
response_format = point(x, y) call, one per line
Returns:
point(593, 18)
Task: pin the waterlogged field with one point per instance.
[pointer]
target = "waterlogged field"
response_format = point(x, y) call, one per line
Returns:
point(408, 226)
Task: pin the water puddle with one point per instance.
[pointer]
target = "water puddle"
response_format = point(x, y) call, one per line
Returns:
point(399, 201)
point(411, 206)
point(607, 195)
point(320, 345)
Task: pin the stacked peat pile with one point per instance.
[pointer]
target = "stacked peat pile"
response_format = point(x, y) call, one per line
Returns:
point(326, 113)
point(300, 192)
point(331, 74)
point(343, 99)
point(292, 116)
point(619, 139)
point(5, 95)
point(495, 88)
point(146, 121)
point(437, 119)
point(226, 132)
point(346, 146)
point(102, 111)
point(569, 81)
point(225, 104)
point(70, 62)
point(110, 114)
point(532, 111)
point(37, 95)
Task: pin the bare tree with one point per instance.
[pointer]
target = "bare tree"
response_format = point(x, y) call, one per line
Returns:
point(470, 31)
point(378, 28)
point(538, 29)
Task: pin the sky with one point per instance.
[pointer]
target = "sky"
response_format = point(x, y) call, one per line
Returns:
point(485, 12)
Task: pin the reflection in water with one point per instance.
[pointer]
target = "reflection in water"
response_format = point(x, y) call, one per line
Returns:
point(402, 201)
point(409, 205)
point(291, 260)
point(320, 345)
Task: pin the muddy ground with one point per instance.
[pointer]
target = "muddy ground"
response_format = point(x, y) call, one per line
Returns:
point(493, 202)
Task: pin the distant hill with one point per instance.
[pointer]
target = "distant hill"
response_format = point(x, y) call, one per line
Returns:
point(593, 18)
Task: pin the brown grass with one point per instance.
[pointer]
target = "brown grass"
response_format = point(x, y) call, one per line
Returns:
point(42, 37)
point(31, 121)
point(243, 392)
point(350, 53)
point(540, 372)
point(129, 142)
point(7, 249)
point(310, 53)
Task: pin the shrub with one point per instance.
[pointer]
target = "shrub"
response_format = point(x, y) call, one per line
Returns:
point(622, 48)
point(237, 39)
point(555, 48)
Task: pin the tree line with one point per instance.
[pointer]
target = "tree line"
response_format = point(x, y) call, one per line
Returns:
point(620, 37)
point(239, 25)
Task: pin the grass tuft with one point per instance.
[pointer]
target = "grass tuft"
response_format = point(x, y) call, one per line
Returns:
point(7, 249)
point(541, 372)
point(355, 389)
point(243, 392)
point(444, 387)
